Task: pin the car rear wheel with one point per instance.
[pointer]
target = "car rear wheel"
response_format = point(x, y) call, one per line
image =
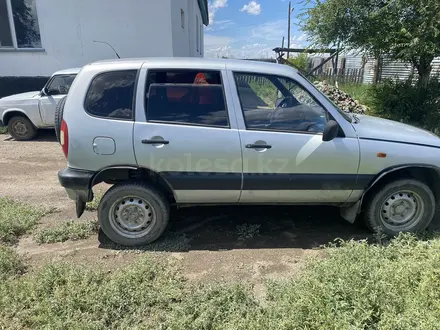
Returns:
point(133, 214)
point(59, 111)
point(405, 205)
point(21, 128)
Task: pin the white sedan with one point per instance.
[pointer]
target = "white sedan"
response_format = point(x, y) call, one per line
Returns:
point(26, 113)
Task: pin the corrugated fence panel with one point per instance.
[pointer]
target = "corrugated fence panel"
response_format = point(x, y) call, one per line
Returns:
point(389, 69)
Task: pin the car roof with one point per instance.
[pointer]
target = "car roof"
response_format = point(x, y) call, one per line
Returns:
point(68, 71)
point(194, 62)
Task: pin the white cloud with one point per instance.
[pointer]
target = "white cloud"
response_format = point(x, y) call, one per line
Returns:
point(214, 6)
point(217, 41)
point(274, 30)
point(252, 8)
point(254, 46)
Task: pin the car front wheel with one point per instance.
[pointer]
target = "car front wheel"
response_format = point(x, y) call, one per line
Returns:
point(405, 205)
point(21, 128)
point(133, 214)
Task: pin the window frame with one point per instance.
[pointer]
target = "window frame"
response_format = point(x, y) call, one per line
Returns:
point(265, 75)
point(222, 80)
point(135, 87)
point(11, 22)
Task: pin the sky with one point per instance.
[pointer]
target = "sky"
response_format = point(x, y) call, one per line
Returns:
point(251, 28)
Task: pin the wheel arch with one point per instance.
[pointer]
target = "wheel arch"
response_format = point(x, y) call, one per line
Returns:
point(429, 174)
point(121, 173)
point(8, 114)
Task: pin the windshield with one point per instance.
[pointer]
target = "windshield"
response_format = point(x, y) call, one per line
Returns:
point(344, 114)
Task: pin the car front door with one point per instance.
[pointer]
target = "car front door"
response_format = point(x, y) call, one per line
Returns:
point(57, 87)
point(184, 132)
point(285, 159)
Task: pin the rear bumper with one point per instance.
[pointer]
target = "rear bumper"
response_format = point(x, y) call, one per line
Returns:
point(77, 183)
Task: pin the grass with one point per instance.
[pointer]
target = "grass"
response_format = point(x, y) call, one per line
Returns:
point(360, 92)
point(356, 286)
point(3, 130)
point(71, 230)
point(94, 204)
point(17, 219)
point(11, 263)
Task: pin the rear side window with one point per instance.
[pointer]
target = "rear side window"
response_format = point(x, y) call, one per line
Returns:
point(192, 97)
point(111, 95)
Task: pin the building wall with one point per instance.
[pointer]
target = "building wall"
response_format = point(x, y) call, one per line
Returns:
point(185, 39)
point(135, 28)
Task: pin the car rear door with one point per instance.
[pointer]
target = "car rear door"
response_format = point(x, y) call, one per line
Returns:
point(184, 130)
point(57, 87)
point(284, 157)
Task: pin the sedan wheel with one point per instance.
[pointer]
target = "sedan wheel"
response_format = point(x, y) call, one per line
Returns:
point(21, 128)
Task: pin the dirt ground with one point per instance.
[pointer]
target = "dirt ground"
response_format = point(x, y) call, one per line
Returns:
point(213, 243)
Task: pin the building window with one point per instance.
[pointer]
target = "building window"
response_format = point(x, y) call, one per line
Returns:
point(182, 18)
point(19, 24)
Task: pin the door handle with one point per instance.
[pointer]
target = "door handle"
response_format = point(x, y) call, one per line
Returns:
point(258, 146)
point(155, 142)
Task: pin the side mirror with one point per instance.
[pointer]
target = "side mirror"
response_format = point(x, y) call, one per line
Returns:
point(331, 131)
point(44, 91)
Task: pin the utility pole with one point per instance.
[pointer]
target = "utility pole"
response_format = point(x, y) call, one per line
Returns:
point(288, 28)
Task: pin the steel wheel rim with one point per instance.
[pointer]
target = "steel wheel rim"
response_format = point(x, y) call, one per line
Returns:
point(402, 210)
point(20, 128)
point(132, 217)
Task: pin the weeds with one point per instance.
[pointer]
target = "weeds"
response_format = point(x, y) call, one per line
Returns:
point(17, 219)
point(11, 263)
point(357, 286)
point(94, 204)
point(3, 130)
point(71, 230)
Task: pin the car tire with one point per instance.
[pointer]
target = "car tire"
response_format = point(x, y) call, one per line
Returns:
point(21, 128)
point(133, 214)
point(59, 111)
point(405, 205)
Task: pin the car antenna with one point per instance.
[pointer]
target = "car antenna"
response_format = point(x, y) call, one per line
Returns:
point(103, 42)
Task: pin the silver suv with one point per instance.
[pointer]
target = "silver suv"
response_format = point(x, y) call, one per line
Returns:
point(198, 131)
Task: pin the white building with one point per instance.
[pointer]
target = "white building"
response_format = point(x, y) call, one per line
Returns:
point(38, 37)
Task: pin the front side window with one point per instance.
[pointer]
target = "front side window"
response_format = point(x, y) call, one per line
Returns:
point(193, 97)
point(23, 20)
point(60, 84)
point(111, 95)
point(278, 104)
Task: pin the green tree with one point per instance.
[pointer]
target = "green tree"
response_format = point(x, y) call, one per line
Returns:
point(300, 62)
point(405, 30)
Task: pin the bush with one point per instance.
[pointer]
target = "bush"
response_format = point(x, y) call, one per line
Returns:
point(16, 219)
point(10, 262)
point(3, 130)
point(407, 102)
point(300, 62)
point(71, 230)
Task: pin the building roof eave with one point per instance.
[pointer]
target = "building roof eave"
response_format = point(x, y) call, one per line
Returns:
point(203, 4)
